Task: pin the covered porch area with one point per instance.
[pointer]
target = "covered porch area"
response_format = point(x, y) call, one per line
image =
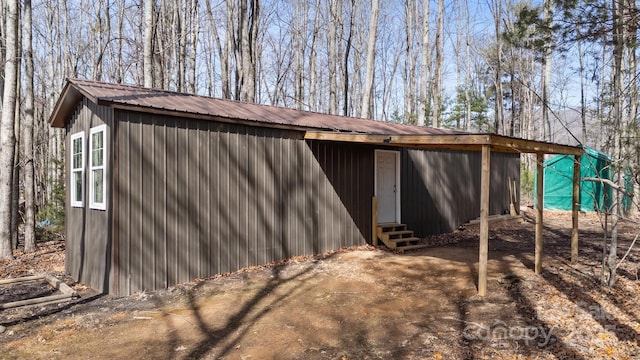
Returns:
point(485, 144)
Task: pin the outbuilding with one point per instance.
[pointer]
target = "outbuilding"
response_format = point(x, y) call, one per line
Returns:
point(594, 195)
point(164, 187)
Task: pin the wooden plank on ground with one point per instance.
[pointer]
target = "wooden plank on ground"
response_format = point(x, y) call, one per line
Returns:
point(67, 292)
point(40, 300)
point(21, 279)
point(56, 283)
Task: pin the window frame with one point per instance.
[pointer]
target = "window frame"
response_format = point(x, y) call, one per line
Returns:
point(74, 170)
point(93, 168)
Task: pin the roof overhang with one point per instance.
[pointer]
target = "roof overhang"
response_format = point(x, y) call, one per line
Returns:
point(472, 142)
point(314, 126)
point(67, 101)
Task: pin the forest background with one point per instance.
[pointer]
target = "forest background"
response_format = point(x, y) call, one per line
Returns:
point(562, 71)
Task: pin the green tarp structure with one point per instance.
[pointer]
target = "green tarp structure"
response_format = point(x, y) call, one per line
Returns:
point(558, 181)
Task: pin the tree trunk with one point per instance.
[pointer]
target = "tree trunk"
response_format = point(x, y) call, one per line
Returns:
point(148, 43)
point(438, 91)
point(425, 65)
point(194, 30)
point(7, 136)
point(299, 46)
point(222, 55)
point(618, 128)
point(546, 77)
point(120, 72)
point(248, 20)
point(409, 64)
point(313, 106)
point(27, 135)
point(467, 75)
point(367, 92)
point(15, 192)
point(334, 9)
point(497, 79)
point(345, 70)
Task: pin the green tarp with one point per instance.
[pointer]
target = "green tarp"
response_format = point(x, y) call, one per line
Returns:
point(558, 181)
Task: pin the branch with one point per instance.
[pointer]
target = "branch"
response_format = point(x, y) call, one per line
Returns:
point(628, 251)
point(610, 183)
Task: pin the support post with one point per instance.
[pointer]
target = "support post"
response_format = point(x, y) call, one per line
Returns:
point(539, 210)
point(484, 220)
point(575, 208)
point(374, 221)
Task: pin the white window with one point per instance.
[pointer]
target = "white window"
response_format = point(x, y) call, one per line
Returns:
point(97, 159)
point(77, 169)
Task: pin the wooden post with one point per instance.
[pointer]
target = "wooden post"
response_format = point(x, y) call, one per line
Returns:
point(484, 220)
point(374, 221)
point(575, 208)
point(539, 210)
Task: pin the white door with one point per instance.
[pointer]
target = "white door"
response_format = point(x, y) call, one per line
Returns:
point(387, 186)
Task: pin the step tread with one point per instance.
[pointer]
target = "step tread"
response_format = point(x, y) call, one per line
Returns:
point(404, 239)
point(397, 232)
point(391, 225)
point(411, 247)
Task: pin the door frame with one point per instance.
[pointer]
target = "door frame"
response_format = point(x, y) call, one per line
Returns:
point(397, 170)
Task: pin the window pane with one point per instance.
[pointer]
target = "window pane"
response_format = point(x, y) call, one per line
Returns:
point(77, 146)
point(76, 161)
point(77, 181)
point(98, 184)
point(76, 153)
point(97, 158)
point(96, 140)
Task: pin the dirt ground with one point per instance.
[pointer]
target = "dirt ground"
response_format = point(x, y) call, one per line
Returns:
point(363, 303)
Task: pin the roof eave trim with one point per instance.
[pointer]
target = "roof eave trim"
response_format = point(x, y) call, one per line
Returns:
point(454, 141)
point(60, 109)
point(69, 98)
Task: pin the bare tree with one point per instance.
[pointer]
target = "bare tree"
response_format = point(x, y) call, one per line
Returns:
point(425, 65)
point(148, 43)
point(367, 91)
point(27, 135)
point(313, 58)
point(7, 132)
point(438, 81)
point(410, 11)
point(345, 59)
point(546, 74)
point(496, 10)
point(248, 19)
point(335, 22)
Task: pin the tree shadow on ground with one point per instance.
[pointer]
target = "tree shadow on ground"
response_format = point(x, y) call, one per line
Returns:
point(597, 310)
point(589, 247)
point(236, 327)
point(574, 291)
point(546, 340)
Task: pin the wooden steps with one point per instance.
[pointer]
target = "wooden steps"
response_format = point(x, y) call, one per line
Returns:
point(396, 236)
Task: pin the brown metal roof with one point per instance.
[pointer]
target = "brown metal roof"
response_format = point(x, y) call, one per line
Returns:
point(188, 105)
point(317, 126)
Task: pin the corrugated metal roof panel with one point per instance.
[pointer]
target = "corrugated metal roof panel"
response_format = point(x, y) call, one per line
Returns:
point(194, 105)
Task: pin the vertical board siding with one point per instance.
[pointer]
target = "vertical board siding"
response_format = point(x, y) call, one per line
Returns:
point(350, 170)
point(88, 255)
point(200, 198)
point(440, 189)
